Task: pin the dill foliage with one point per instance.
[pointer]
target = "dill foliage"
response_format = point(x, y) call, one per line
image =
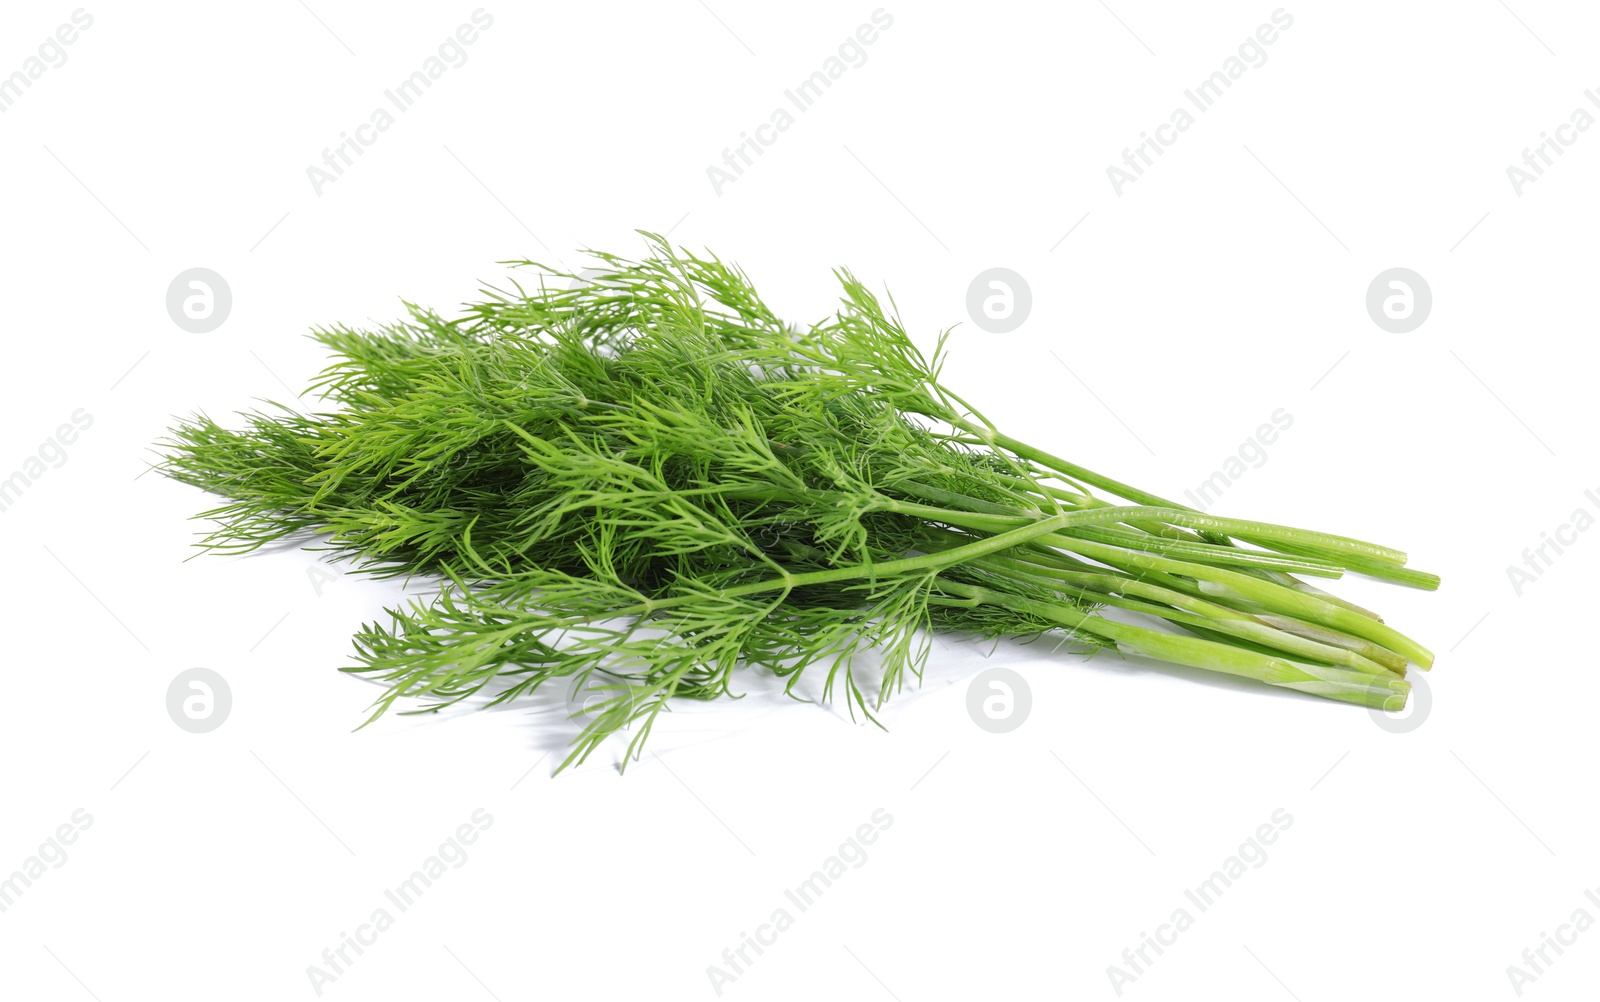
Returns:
point(643, 480)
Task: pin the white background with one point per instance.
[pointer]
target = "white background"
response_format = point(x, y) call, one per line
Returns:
point(1226, 283)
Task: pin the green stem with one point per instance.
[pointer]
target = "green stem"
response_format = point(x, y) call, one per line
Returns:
point(1172, 541)
point(888, 568)
point(1331, 544)
point(1056, 463)
point(1274, 597)
point(1384, 566)
point(1183, 609)
point(1040, 553)
point(1371, 568)
point(1210, 553)
point(1332, 683)
point(1289, 581)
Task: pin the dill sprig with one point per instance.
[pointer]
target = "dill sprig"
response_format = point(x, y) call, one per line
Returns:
point(643, 480)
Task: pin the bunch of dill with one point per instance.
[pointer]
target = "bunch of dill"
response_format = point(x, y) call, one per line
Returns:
point(642, 480)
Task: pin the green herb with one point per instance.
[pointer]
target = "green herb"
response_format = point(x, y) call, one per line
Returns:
point(644, 480)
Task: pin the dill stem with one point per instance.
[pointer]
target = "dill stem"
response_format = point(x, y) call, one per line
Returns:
point(1059, 465)
point(1382, 562)
point(1333, 683)
point(1144, 535)
point(1176, 607)
point(1272, 596)
point(1039, 552)
point(1343, 546)
point(1224, 582)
